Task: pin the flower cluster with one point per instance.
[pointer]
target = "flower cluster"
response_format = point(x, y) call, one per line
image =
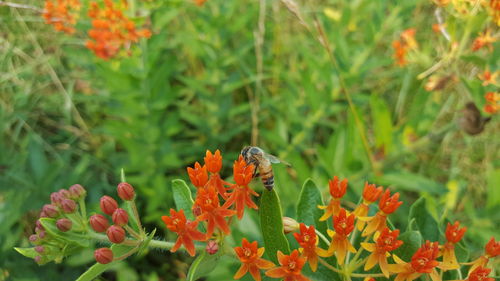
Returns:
point(492, 102)
point(61, 213)
point(111, 30)
point(405, 43)
point(62, 14)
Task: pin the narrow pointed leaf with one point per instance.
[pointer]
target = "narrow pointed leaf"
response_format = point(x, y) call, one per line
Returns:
point(271, 225)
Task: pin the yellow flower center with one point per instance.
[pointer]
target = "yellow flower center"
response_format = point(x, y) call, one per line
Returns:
point(292, 265)
point(306, 238)
point(247, 252)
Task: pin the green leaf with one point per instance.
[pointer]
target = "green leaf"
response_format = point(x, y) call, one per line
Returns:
point(382, 123)
point(97, 269)
point(144, 245)
point(271, 225)
point(412, 182)
point(412, 240)
point(27, 252)
point(425, 222)
point(203, 265)
point(182, 197)
point(307, 211)
point(69, 237)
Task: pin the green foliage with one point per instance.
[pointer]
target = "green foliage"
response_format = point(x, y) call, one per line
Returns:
point(271, 225)
point(203, 265)
point(182, 197)
point(425, 223)
point(412, 240)
point(97, 269)
point(307, 211)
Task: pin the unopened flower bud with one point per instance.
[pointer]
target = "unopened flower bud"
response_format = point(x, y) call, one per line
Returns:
point(108, 205)
point(64, 224)
point(120, 217)
point(39, 224)
point(212, 247)
point(38, 259)
point(56, 198)
point(125, 191)
point(77, 191)
point(290, 225)
point(41, 235)
point(103, 255)
point(68, 206)
point(50, 210)
point(40, 249)
point(116, 234)
point(65, 193)
point(43, 214)
point(99, 223)
point(34, 239)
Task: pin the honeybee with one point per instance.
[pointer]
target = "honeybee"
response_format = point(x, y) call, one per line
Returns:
point(262, 162)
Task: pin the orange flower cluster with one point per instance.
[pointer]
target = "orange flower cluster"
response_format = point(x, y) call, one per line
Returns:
point(494, 6)
point(111, 30)
point(405, 43)
point(217, 201)
point(484, 40)
point(492, 102)
point(62, 14)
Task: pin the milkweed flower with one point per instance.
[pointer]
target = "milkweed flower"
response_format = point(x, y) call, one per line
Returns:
point(198, 175)
point(371, 193)
point(488, 77)
point(185, 229)
point(483, 40)
point(308, 241)
point(241, 195)
point(340, 244)
point(385, 242)
point(290, 269)
point(492, 99)
point(211, 210)
point(423, 261)
point(242, 173)
point(250, 257)
point(111, 30)
point(480, 274)
point(492, 249)
point(453, 235)
point(337, 190)
point(388, 204)
point(213, 163)
point(62, 14)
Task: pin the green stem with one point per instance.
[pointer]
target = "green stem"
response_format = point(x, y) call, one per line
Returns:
point(156, 244)
point(136, 215)
point(367, 275)
point(132, 232)
point(322, 237)
point(329, 266)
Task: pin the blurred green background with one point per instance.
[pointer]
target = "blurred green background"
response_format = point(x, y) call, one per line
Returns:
point(201, 82)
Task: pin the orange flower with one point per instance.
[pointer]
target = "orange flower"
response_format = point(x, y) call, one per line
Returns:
point(242, 172)
point(388, 205)
point(453, 235)
point(241, 196)
point(250, 257)
point(337, 190)
point(290, 269)
point(198, 175)
point(423, 261)
point(492, 100)
point(386, 242)
point(495, 11)
point(200, 2)
point(185, 229)
point(437, 27)
point(492, 248)
point(213, 162)
point(111, 30)
point(480, 274)
point(408, 37)
point(211, 211)
point(400, 50)
point(483, 40)
point(340, 244)
point(371, 193)
point(62, 14)
point(488, 78)
point(441, 3)
point(308, 241)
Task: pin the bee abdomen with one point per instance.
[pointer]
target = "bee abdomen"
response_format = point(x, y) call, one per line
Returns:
point(268, 182)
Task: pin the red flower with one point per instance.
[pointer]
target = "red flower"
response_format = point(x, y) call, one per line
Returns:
point(423, 261)
point(242, 172)
point(388, 204)
point(492, 248)
point(213, 161)
point(211, 211)
point(480, 274)
point(62, 14)
point(453, 235)
point(290, 269)
point(386, 242)
point(340, 244)
point(371, 193)
point(250, 257)
point(241, 197)
point(337, 190)
point(198, 175)
point(185, 229)
point(308, 241)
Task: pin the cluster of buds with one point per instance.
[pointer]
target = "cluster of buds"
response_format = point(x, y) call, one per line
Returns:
point(405, 43)
point(63, 209)
point(116, 233)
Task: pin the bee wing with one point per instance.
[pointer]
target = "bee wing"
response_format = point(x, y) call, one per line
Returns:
point(273, 159)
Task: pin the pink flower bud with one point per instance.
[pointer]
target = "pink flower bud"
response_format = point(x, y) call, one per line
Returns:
point(120, 217)
point(40, 249)
point(103, 255)
point(64, 224)
point(34, 239)
point(108, 205)
point(212, 247)
point(77, 191)
point(43, 214)
point(41, 235)
point(38, 259)
point(125, 191)
point(116, 234)
point(39, 224)
point(99, 223)
point(65, 193)
point(50, 210)
point(68, 206)
point(56, 198)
